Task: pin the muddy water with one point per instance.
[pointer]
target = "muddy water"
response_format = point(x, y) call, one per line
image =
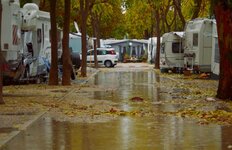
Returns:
point(128, 85)
point(125, 133)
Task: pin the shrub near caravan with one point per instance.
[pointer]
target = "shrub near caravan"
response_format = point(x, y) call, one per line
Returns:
point(171, 53)
point(198, 45)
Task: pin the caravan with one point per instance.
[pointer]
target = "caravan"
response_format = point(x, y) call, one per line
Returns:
point(198, 45)
point(215, 66)
point(26, 50)
point(151, 52)
point(10, 39)
point(172, 52)
point(23, 49)
point(35, 41)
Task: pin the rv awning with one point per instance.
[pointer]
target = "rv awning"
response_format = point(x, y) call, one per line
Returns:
point(180, 34)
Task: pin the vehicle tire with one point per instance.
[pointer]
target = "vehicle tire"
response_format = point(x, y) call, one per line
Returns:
point(26, 73)
point(73, 75)
point(76, 60)
point(108, 64)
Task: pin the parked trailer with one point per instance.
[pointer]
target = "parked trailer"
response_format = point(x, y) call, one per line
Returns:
point(151, 53)
point(35, 37)
point(172, 52)
point(26, 49)
point(10, 39)
point(215, 66)
point(198, 45)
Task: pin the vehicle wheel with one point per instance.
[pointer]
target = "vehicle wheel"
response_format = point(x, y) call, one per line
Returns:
point(26, 73)
point(73, 75)
point(108, 64)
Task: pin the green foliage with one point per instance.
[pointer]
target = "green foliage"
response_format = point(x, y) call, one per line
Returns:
point(22, 2)
point(137, 19)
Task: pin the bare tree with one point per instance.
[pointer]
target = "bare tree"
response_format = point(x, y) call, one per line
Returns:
point(85, 7)
point(223, 13)
point(177, 4)
point(53, 75)
point(67, 63)
point(197, 8)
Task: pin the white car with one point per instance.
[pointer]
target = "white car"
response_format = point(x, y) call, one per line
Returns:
point(105, 56)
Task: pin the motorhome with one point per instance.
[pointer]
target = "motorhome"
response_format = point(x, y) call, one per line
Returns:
point(198, 45)
point(35, 38)
point(23, 49)
point(215, 66)
point(151, 52)
point(26, 50)
point(172, 52)
point(10, 38)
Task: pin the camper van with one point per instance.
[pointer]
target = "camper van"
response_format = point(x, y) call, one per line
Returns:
point(198, 45)
point(215, 69)
point(151, 52)
point(172, 52)
point(10, 38)
point(26, 50)
point(27, 31)
point(35, 31)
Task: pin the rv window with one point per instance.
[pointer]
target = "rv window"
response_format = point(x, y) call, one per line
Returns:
point(195, 39)
point(177, 48)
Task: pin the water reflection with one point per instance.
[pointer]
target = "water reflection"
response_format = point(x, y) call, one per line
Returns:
point(128, 85)
point(123, 134)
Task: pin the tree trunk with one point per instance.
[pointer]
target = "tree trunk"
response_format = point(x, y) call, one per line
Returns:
point(95, 53)
point(96, 28)
point(197, 8)
point(1, 57)
point(84, 10)
point(67, 64)
point(177, 4)
point(157, 58)
point(53, 75)
point(223, 14)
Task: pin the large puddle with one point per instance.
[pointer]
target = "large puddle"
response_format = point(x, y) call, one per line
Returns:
point(125, 133)
point(128, 85)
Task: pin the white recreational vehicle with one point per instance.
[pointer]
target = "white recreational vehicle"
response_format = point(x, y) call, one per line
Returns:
point(10, 38)
point(198, 45)
point(25, 41)
point(35, 40)
point(25, 37)
point(215, 66)
point(151, 49)
point(172, 52)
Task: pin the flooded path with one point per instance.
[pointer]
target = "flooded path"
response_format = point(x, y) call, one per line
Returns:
point(125, 132)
